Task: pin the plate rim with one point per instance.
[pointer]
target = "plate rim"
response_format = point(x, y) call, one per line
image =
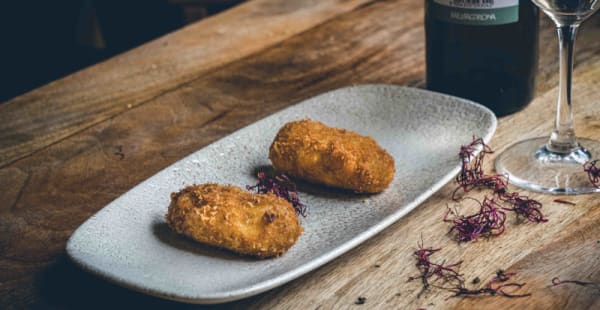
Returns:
point(260, 287)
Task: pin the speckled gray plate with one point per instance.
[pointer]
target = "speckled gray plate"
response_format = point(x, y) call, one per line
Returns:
point(129, 243)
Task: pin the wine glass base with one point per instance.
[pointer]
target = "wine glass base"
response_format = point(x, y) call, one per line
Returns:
point(529, 165)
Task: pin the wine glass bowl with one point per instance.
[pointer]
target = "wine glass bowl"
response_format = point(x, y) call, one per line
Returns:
point(568, 12)
point(555, 164)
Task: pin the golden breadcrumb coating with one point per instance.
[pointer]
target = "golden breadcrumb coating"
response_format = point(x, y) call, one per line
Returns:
point(335, 157)
point(226, 216)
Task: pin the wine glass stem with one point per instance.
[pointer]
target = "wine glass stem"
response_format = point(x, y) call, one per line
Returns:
point(562, 139)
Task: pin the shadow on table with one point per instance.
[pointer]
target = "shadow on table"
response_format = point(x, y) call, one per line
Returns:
point(64, 285)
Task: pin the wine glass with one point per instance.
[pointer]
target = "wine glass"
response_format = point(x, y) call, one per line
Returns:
point(555, 165)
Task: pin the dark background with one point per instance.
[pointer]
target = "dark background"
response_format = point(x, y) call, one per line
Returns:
point(45, 40)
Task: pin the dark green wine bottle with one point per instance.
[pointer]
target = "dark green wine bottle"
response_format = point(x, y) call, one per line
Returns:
point(483, 50)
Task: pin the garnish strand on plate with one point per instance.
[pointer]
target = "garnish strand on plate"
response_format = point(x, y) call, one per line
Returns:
point(281, 186)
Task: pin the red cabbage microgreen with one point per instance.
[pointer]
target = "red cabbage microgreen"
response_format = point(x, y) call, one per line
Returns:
point(556, 281)
point(451, 280)
point(489, 221)
point(281, 186)
point(593, 172)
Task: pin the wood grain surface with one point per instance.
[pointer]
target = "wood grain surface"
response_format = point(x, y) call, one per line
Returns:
point(97, 94)
point(69, 148)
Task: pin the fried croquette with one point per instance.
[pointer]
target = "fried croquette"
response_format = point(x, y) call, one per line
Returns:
point(335, 157)
point(225, 216)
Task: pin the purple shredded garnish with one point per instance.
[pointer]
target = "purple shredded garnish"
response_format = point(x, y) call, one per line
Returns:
point(487, 222)
point(471, 164)
point(471, 173)
point(471, 176)
point(495, 287)
point(454, 282)
point(428, 269)
point(593, 172)
point(281, 186)
point(566, 202)
point(525, 207)
point(497, 183)
point(556, 281)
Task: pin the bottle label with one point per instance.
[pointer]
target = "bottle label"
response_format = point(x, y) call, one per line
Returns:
point(476, 12)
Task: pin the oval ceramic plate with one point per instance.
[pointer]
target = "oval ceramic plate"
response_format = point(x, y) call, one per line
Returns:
point(129, 243)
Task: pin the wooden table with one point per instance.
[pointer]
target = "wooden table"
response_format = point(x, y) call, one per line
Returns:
point(70, 147)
